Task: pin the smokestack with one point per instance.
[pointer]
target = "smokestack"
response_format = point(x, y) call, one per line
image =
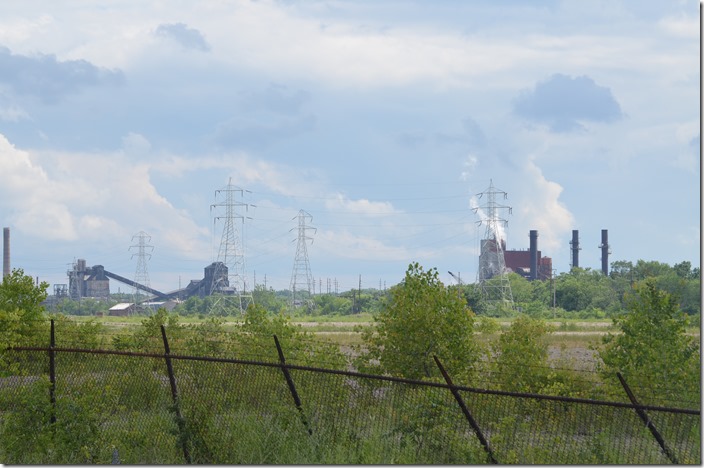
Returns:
point(575, 248)
point(604, 251)
point(5, 252)
point(533, 255)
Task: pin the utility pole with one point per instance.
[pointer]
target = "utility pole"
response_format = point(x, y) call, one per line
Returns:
point(459, 283)
point(552, 280)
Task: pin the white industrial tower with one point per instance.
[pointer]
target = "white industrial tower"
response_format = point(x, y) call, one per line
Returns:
point(231, 294)
point(301, 277)
point(142, 250)
point(491, 258)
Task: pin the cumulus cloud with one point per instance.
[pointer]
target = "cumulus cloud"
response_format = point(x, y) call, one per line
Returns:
point(346, 245)
point(13, 113)
point(188, 38)
point(681, 26)
point(49, 79)
point(134, 143)
point(563, 102)
point(90, 197)
point(361, 206)
point(542, 209)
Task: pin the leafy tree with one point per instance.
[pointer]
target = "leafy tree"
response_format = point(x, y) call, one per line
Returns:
point(255, 337)
point(522, 355)
point(653, 349)
point(268, 299)
point(645, 269)
point(329, 304)
point(521, 288)
point(21, 311)
point(421, 318)
point(582, 289)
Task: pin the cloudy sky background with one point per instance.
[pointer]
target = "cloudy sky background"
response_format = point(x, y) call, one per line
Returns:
point(382, 119)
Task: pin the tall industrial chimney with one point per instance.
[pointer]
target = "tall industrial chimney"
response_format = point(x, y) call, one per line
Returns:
point(575, 248)
point(533, 255)
point(5, 252)
point(604, 251)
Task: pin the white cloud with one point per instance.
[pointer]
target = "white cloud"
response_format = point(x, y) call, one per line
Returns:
point(17, 30)
point(681, 25)
point(347, 245)
point(542, 209)
point(361, 206)
point(339, 51)
point(13, 113)
point(469, 166)
point(134, 143)
point(90, 197)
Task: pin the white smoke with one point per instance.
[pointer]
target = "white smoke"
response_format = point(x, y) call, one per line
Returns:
point(498, 228)
point(542, 209)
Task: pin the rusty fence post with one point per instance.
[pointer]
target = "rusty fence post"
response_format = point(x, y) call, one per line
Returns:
point(465, 411)
point(291, 386)
point(647, 421)
point(52, 373)
point(174, 396)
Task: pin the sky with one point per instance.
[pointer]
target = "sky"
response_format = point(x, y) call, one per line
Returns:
point(383, 120)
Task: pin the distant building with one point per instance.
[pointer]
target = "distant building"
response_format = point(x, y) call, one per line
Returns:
point(518, 261)
point(122, 309)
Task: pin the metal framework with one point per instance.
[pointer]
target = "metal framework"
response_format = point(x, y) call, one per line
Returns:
point(491, 276)
point(230, 284)
point(302, 282)
point(142, 250)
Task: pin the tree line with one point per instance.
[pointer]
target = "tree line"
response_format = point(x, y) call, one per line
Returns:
point(580, 293)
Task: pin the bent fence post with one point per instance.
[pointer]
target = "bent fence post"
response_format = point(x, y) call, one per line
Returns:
point(174, 395)
point(291, 386)
point(52, 373)
point(465, 411)
point(648, 422)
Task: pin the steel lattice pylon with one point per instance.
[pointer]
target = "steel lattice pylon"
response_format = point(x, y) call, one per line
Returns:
point(302, 285)
point(491, 258)
point(141, 275)
point(229, 284)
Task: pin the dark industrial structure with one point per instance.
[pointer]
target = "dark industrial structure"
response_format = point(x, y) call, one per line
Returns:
point(529, 263)
point(87, 281)
point(574, 247)
point(604, 246)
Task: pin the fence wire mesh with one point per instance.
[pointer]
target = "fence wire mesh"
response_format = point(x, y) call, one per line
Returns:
point(93, 405)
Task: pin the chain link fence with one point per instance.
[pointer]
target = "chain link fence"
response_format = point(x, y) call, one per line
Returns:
point(70, 405)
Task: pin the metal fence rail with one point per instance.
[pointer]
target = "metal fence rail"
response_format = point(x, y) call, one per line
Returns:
point(72, 405)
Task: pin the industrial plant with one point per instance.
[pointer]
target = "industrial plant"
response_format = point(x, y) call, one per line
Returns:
point(225, 277)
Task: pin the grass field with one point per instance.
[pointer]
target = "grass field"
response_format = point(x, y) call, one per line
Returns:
point(572, 343)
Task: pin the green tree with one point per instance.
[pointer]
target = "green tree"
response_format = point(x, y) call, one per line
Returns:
point(584, 289)
point(267, 298)
point(21, 310)
point(521, 355)
point(653, 349)
point(255, 336)
point(421, 318)
point(21, 314)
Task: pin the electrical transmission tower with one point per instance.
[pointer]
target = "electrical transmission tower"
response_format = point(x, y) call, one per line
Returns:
point(491, 276)
point(142, 250)
point(228, 282)
point(302, 283)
